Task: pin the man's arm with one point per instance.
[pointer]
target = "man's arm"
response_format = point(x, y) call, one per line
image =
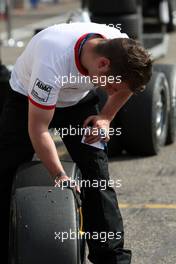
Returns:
point(43, 144)
point(104, 118)
point(114, 103)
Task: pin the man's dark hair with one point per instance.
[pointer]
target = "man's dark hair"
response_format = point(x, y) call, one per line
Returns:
point(128, 59)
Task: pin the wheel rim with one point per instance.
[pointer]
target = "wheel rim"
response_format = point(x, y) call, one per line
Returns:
point(173, 103)
point(160, 113)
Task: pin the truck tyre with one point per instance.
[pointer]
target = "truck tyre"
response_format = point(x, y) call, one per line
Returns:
point(145, 118)
point(170, 73)
point(43, 222)
point(130, 24)
point(112, 7)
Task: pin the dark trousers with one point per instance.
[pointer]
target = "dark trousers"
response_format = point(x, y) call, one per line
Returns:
point(100, 208)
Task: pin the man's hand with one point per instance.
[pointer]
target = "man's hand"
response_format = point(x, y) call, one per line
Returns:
point(99, 130)
point(59, 182)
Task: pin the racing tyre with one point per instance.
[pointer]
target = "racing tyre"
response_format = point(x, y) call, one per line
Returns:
point(170, 73)
point(35, 174)
point(112, 7)
point(44, 225)
point(37, 211)
point(145, 118)
point(130, 24)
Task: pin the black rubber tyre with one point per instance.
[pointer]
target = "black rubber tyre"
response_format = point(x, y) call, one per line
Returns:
point(130, 24)
point(145, 118)
point(112, 7)
point(171, 27)
point(35, 174)
point(170, 73)
point(150, 8)
point(38, 215)
point(4, 85)
point(114, 145)
point(84, 3)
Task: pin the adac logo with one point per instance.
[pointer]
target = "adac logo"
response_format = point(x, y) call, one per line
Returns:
point(43, 86)
point(41, 91)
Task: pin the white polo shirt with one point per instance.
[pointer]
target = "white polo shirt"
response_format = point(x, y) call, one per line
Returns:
point(49, 71)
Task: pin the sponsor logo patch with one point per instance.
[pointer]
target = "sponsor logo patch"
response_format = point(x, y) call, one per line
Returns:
point(41, 90)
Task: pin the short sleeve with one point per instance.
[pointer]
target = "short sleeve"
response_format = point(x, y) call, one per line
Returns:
point(43, 87)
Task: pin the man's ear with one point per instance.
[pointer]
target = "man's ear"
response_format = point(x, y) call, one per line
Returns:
point(103, 64)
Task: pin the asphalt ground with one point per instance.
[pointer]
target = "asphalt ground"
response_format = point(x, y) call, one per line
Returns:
point(147, 197)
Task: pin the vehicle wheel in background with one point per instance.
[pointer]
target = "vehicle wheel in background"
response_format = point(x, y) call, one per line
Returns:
point(130, 24)
point(145, 118)
point(172, 9)
point(115, 145)
point(112, 7)
point(170, 73)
